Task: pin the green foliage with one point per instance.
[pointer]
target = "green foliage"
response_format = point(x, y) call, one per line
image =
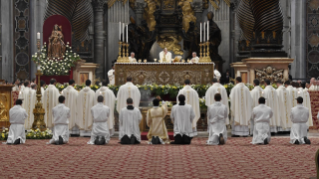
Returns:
point(37, 134)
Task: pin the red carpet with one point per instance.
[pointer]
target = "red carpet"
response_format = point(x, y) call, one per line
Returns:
point(236, 159)
point(144, 135)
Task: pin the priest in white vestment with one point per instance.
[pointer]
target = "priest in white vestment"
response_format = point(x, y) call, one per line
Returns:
point(217, 114)
point(100, 131)
point(284, 107)
point(85, 102)
point(217, 74)
point(109, 101)
point(165, 56)
point(71, 96)
point(111, 76)
point(299, 117)
point(313, 84)
point(292, 93)
point(132, 58)
point(61, 115)
point(214, 89)
point(241, 108)
point(195, 58)
point(193, 100)
point(18, 116)
point(42, 83)
point(182, 116)
point(16, 86)
point(28, 96)
point(303, 92)
point(155, 119)
point(128, 90)
point(129, 121)
point(50, 100)
point(262, 115)
point(256, 93)
point(272, 101)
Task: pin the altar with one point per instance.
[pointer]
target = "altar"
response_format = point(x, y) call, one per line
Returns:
point(164, 73)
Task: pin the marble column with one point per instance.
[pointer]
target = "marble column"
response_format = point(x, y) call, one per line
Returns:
point(98, 6)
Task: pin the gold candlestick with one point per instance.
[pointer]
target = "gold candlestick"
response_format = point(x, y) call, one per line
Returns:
point(123, 52)
point(208, 59)
point(38, 111)
point(127, 54)
point(119, 58)
point(200, 51)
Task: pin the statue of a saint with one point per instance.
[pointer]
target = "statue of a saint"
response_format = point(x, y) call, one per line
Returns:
point(56, 46)
point(215, 38)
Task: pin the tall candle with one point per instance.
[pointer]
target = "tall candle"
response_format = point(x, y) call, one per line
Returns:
point(123, 32)
point(200, 31)
point(207, 30)
point(204, 32)
point(126, 33)
point(120, 27)
point(38, 36)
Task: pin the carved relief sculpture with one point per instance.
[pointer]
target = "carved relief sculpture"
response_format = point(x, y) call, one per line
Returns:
point(56, 46)
point(269, 73)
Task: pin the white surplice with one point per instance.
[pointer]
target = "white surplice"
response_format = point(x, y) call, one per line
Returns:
point(191, 98)
point(194, 60)
point(128, 90)
point(18, 116)
point(61, 115)
point(165, 58)
point(293, 95)
point(241, 105)
point(217, 114)
point(109, 101)
point(129, 122)
point(85, 102)
point(182, 117)
point(313, 88)
point(71, 96)
point(100, 114)
point(306, 103)
point(28, 96)
point(261, 115)
point(299, 117)
point(256, 93)
point(272, 101)
point(132, 60)
point(210, 94)
point(50, 100)
point(15, 88)
point(111, 76)
point(285, 106)
point(155, 119)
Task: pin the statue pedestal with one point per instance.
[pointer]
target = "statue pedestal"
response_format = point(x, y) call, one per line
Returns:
point(84, 71)
point(248, 67)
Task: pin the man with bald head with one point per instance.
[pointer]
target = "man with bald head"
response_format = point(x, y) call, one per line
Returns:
point(195, 58)
point(165, 56)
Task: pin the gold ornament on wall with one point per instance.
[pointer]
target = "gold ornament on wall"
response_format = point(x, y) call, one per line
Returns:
point(188, 13)
point(215, 3)
point(269, 73)
point(171, 42)
point(148, 14)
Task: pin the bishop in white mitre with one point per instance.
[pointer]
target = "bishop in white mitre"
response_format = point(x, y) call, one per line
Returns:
point(214, 89)
point(217, 114)
point(111, 76)
point(128, 90)
point(292, 93)
point(195, 58)
point(217, 74)
point(85, 102)
point(100, 131)
point(109, 101)
point(261, 115)
point(132, 58)
point(192, 99)
point(50, 100)
point(299, 117)
point(303, 92)
point(18, 116)
point(165, 56)
point(61, 115)
point(241, 105)
point(256, 93)
point(71, 96)
point(272, 101)
point(284, 107)
point(28, 96)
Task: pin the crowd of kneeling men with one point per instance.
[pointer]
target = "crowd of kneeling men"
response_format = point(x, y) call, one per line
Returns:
point(182, 116)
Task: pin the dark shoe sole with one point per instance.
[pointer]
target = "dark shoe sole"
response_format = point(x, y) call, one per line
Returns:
point(221, 139)
point(296, 142)
point(266, 141)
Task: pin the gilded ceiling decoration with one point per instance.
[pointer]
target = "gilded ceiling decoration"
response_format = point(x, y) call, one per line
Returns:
point(148, 14)
point(171, 42)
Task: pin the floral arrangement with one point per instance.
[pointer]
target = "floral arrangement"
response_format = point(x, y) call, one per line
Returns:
point(53, 66)
point(202, 104)
point(4, 134)
point(37, 134)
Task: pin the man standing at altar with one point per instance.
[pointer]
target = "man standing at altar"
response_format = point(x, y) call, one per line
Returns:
point(285, 106)
point(109, 101)
point(195, 58)
point(71, 96)
point(272, 101)
point(303, 92)
point(50, 100)
point(132, 58)
point(85, 102)
point(292, 93)
point(111, 76)
point(165, 56)
point(256, 93)
point(128, 90)
point(192, 99)
point(27, 95)
point(212, 91)
point(241, 108)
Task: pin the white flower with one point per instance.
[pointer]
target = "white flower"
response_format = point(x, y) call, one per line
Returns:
point(71, 51)
point(69, 56)
point(32, 56)
point(67, 45)
point(45, 50)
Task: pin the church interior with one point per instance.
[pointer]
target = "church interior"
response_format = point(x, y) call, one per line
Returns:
point(91, 77)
